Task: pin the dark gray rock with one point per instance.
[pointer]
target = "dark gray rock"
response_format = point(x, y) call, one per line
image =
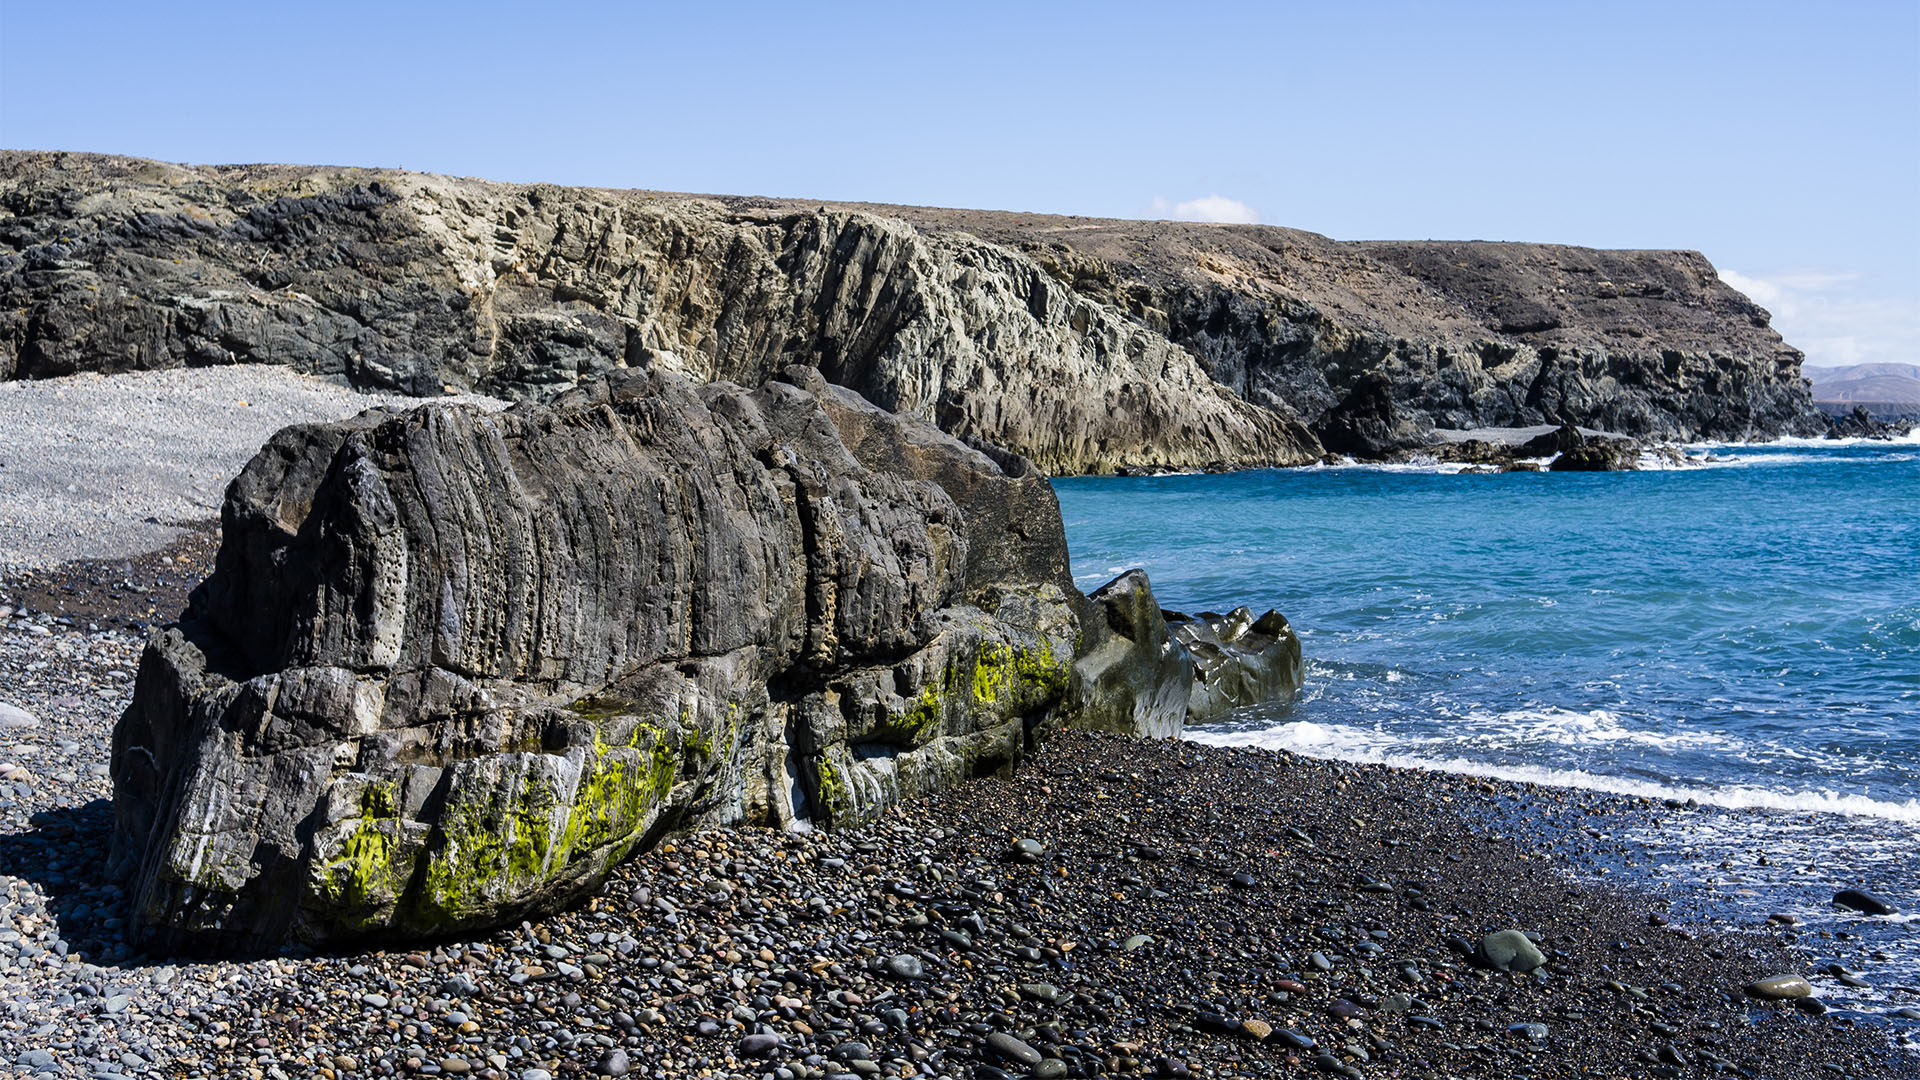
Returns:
point(1599, 455)
point(452, 665)
point(1366, 424)
point(1239, 660)
point(1131, 675)
point(1863, 901)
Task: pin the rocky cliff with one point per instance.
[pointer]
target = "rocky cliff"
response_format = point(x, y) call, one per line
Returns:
point(452, 665)
point(1085, 345)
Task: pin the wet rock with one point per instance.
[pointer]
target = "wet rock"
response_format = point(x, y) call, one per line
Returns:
point(1780, 987)
point(1863, 901)
point(1005, 1047)
point(1239, 660)
point(1131, 677)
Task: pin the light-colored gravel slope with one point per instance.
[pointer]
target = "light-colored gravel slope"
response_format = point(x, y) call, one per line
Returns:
point(98, 466)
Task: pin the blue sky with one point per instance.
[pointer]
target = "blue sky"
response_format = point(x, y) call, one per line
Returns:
point(1783, 140)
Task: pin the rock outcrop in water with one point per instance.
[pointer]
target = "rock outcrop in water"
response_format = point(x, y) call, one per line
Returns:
point(452, 665)
point(1145, 671)
point(1085, 345)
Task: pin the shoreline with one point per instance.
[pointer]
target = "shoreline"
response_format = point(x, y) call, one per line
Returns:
point(1319, 936)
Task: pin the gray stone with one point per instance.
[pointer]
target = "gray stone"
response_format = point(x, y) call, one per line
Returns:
point(1011, 1050)
point(905, 967)
point(1239, 661)
point(1780, 987)
point(1510, 950)
point(13, 716)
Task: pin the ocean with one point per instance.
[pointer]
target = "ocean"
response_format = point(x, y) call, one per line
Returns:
point(1740, 636)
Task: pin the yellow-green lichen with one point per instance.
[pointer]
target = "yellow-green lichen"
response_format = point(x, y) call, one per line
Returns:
point(616, 792)
point(923, 714)
point(360, 877)
point(1002, 670)
point(834, 797)
point(486, 842)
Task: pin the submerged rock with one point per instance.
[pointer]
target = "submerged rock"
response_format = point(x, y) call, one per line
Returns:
point(452, 665)
point(1863, 901)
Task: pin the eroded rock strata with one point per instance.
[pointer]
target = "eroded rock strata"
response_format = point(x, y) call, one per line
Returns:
point(1085, 345)
point(452, 665)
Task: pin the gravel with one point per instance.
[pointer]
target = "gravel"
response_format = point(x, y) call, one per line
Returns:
point(95, 467)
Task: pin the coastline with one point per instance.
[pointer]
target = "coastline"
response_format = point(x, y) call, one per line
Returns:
point(1354, 879)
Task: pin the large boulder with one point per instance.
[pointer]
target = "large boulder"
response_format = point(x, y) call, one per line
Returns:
point(452, 665)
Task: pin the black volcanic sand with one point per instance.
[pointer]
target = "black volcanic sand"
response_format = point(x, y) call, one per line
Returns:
point(1184, 899)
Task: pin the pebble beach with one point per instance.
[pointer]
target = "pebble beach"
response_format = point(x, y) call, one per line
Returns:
point(1113, 907)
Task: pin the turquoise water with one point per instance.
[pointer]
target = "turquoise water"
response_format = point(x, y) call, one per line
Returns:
point(1744, 633)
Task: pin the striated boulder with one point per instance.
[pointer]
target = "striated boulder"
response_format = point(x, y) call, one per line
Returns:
point(452, 665)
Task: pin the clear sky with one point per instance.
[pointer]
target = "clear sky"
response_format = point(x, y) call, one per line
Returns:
point(1782, 139)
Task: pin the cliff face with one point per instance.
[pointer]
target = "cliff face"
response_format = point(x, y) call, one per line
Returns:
point(1085, 345)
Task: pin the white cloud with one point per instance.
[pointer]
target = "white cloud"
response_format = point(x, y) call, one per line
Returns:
point(1211, 208)
point(1834, 317)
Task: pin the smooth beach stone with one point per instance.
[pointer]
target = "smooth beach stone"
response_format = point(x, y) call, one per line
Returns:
point(12, 716)
point(1256, 1029)
point(905, 967)
point(759, 1045)
point(1863, 901)
point(1044, 993)
point(1510, 950)
point(1780, 987)
point(1136, 942)
point(1012, 1050)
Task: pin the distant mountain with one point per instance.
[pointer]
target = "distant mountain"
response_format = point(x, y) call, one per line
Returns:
point(1865, 383)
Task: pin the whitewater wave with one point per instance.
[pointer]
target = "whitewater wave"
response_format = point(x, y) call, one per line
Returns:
point(1568, 727)
point(1345, 743)
point(1911, 438)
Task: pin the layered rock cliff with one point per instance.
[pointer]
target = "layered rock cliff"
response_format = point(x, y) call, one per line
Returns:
point(1085, 345)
